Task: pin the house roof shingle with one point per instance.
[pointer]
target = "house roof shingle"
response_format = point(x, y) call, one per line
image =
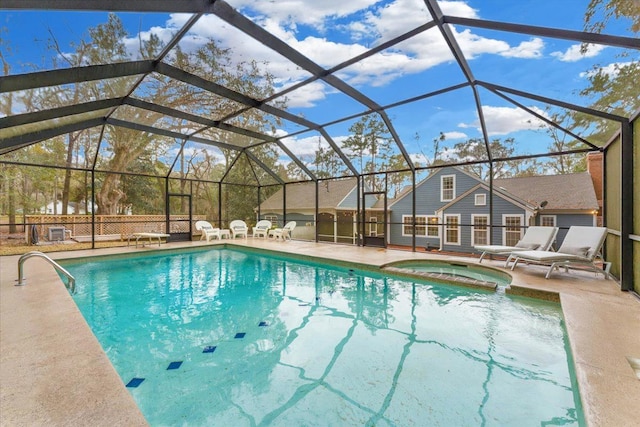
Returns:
point(562, 192)
point(302, 195)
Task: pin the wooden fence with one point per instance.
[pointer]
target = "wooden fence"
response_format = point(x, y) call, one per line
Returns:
point(109, 226)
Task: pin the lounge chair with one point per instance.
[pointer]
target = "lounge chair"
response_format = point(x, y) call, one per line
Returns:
point(580, 247)
point(283, 233)
point(536, 238)
point(238, 228)
point(208, 231)
point(262, 228)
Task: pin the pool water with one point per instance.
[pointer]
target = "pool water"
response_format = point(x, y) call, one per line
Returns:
point(229, 338)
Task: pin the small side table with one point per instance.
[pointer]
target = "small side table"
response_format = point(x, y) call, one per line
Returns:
point(225, 233)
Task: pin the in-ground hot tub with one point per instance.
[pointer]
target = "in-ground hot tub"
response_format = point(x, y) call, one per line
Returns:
point(457, 272)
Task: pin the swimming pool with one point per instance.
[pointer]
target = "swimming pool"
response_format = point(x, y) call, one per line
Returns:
point(225, 337)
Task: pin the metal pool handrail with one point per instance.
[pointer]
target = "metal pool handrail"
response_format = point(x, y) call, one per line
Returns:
point(71, 281)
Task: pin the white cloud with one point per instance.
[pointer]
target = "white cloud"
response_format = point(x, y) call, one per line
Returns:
point(455, 135)
point(448, 153)
point(419, 158)
point(574, 54)
point(527, 49)
point(305, 147)
point(505, 120)
point(304, 25)
point(306, 96)
point(610, 70)
point(294, 12)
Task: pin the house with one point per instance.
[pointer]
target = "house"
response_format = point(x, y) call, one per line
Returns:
point(337, 209)
point(453, 209)
point(72, 208)
point(56, 208)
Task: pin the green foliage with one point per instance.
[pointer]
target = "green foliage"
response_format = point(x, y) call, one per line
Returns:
point(600, 12)
point(125, 150)
point(614, 90)
point(369, 147)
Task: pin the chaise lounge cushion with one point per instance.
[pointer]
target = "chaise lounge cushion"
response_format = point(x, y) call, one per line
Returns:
point(548, 256)
point(582, 251)
point(529, 246)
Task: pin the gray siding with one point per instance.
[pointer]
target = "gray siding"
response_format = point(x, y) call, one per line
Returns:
point(465, 207)
point(427, 203)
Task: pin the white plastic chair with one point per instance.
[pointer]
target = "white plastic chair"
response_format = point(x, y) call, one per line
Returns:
point(283, 233)
point(207, 230)
point(262, 228)
point(238, 228)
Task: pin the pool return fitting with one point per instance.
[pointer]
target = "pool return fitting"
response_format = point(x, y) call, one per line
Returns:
point(71, 281)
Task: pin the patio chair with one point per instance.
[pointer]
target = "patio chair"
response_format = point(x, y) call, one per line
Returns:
point(262, 228)
point(238, 228)
point(208, 231)
point(536, 238)
point(580, 247)
point(283, 233)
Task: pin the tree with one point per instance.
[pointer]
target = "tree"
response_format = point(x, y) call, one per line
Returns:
point(369, 139)
point(8, 172)
point(397, 180)
point(611, 9)
point(327, 162)
point(474, 149)
point(125, 150)
point(563, 142)
point(614, 91)
point(436, 148)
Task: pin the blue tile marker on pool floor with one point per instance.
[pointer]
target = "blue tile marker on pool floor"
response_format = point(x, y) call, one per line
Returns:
point(240, 335)
point(135, 382)
point(174, 365)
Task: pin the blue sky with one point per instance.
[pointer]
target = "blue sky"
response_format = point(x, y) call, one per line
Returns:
point(332, 31)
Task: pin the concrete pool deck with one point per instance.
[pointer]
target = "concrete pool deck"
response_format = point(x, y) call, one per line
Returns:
point(54, 372)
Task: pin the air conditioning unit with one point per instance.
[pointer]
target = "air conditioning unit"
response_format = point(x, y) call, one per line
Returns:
point(56, 234)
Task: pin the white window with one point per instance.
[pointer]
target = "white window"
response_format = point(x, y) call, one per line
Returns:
point(548, 220)
point(481, 199)
point(480, 234)
point(272, 218)
point(433, 229)
point(447, 188)
point(512, 231)
point(452, 229)
point(407, 225)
